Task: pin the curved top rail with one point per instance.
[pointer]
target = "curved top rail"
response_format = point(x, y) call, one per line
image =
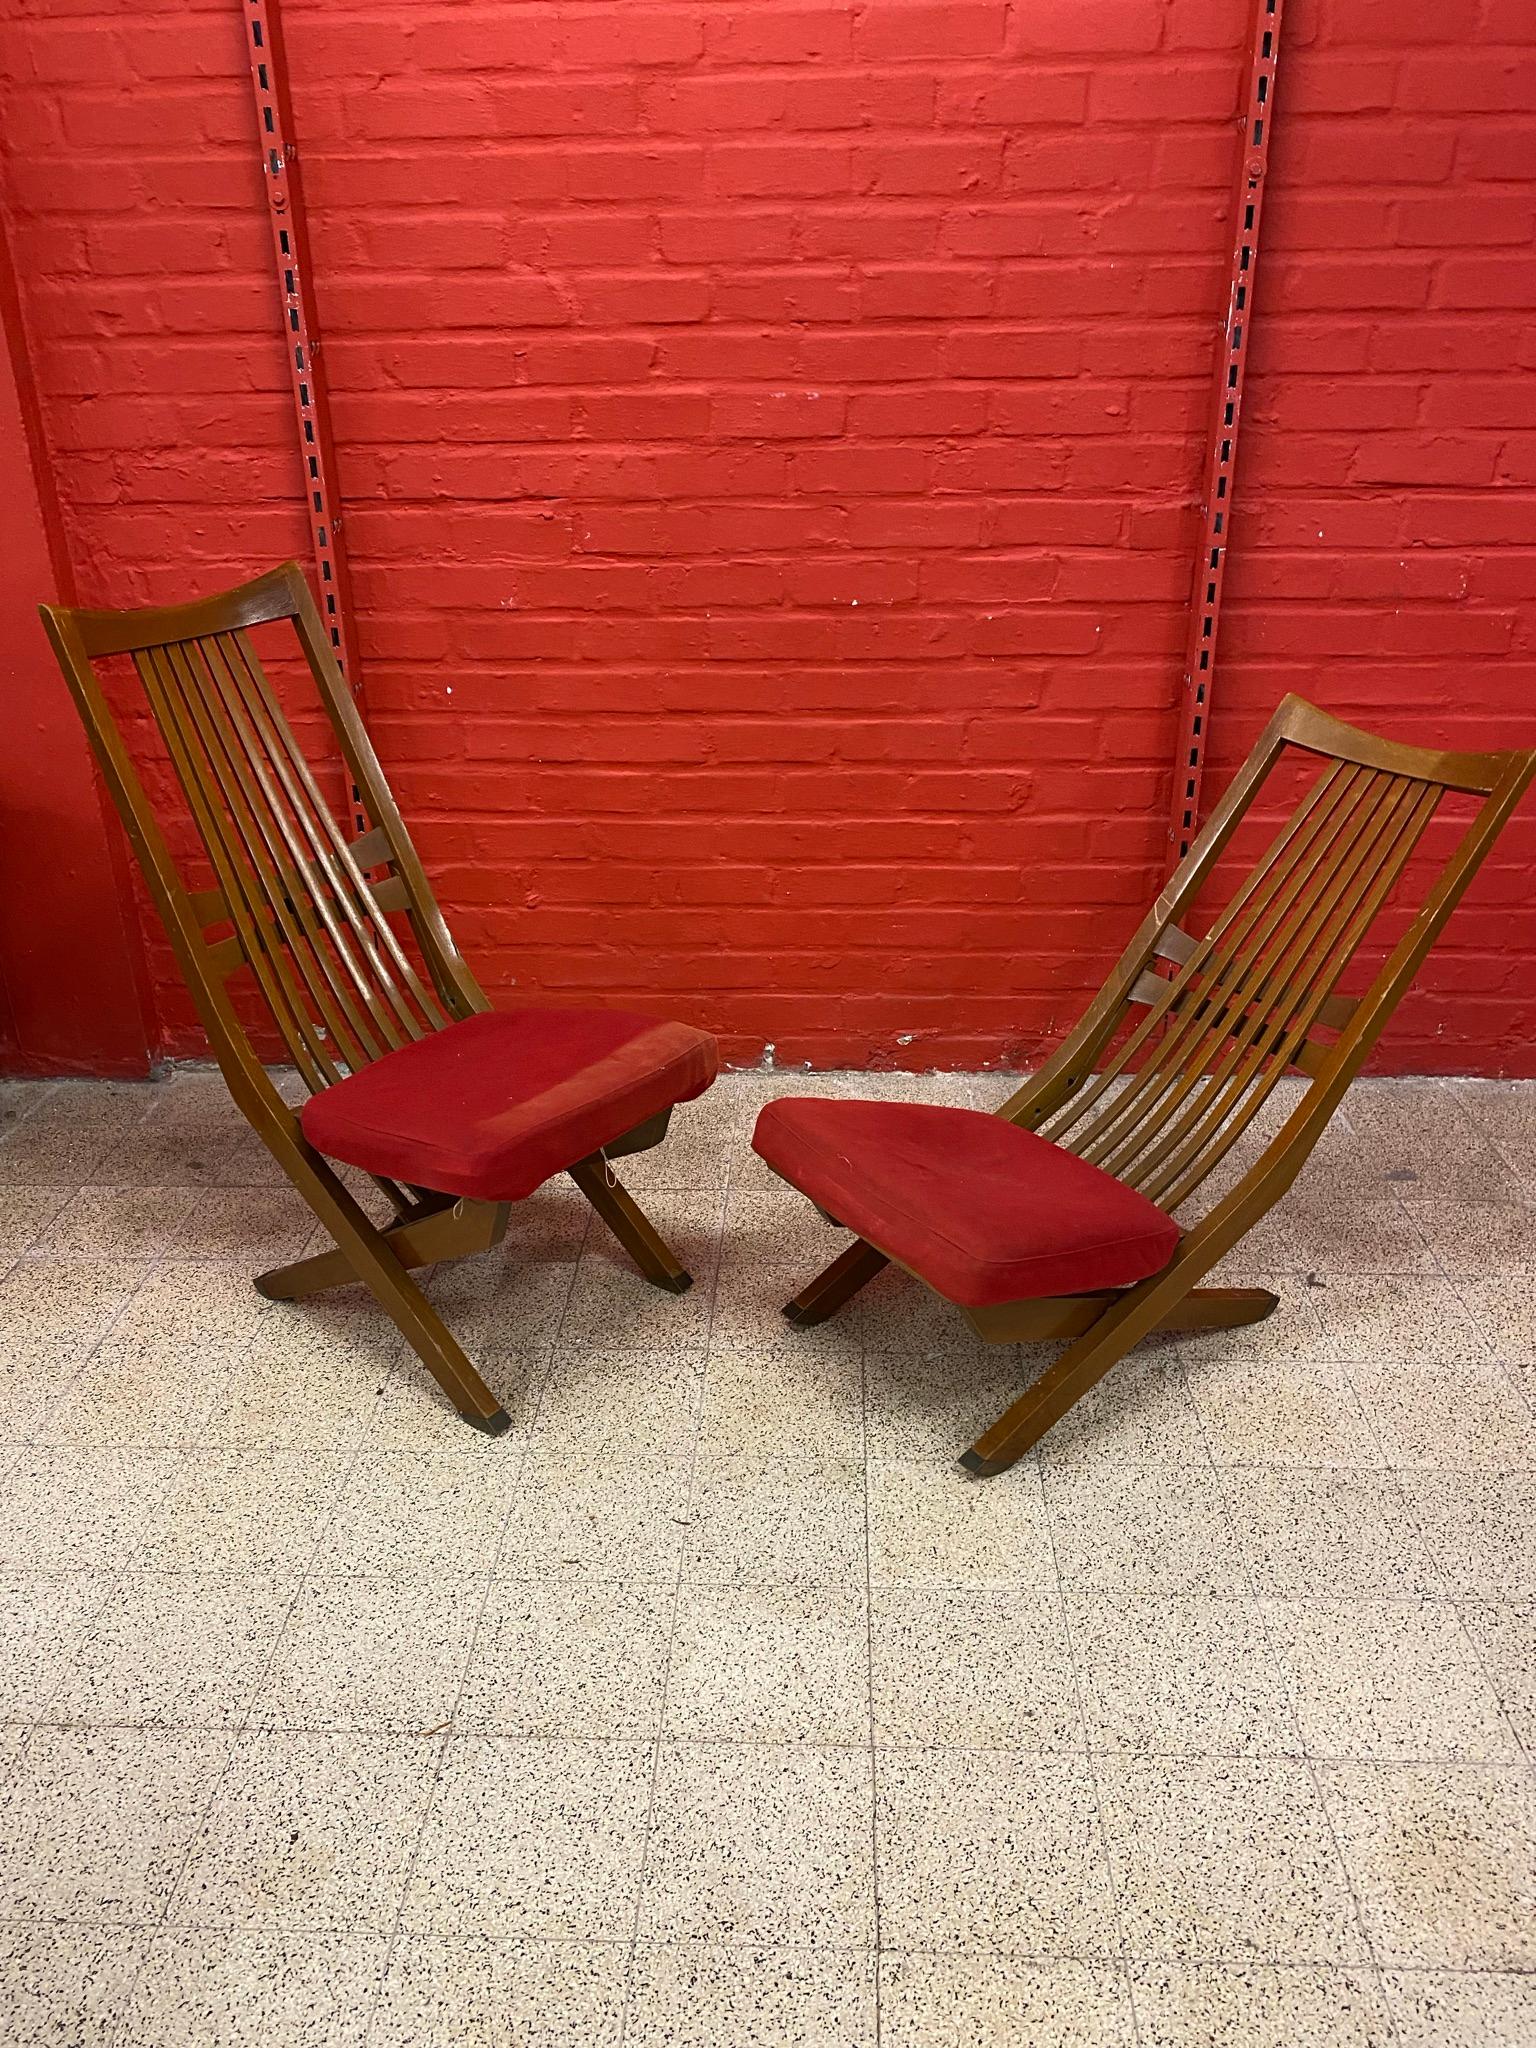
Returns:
point(276, 595)
point(1319, 732)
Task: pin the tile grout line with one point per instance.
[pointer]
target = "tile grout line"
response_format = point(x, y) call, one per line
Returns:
point(1089, 1753)
point(151, 1929)
point(878, 1930)
point(1308, 1763)
point(633, 1945)
point(397, 1925)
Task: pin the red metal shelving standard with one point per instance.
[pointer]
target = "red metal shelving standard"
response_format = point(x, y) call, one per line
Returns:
point(1210, 565)
point(301, 335)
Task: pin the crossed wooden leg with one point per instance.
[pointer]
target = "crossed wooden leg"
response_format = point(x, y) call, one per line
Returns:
point(436, 1229)
point(1101, 1328)
point(630, 1225)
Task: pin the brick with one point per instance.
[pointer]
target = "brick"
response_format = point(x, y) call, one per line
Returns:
point(779, 426)
point(958, 28)
point(1110, 26)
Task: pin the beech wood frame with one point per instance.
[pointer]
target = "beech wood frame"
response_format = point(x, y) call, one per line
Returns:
point(1400, 788)
point(332, 898)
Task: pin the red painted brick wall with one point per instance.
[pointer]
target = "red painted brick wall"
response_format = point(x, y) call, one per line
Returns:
point(770, 434)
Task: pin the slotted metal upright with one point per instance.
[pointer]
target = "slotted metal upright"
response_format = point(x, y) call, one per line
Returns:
point(1209, 572)
point(301, 334)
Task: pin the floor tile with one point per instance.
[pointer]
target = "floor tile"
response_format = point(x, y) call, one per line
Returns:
point(1442, 2009)
point(80, 1510)
point(182, 1649)
point(1504, 1636)
point(386, 1655)
point(1503, 1306)
point(703, 1994)
point(604, 1408)
point(695, 1155)
point(773, 1246)
point(770, 1664)
point(242, 1511)
point(508, 1303)
point(1427, 1144)
point(980, 1670)
point(36, 1380)
point(116, 1223)
point(577, 1659)
point(1226, 1859)
point(68, 1104)
point(896, 1318)
point(263, 1226)
point(202, 1298)
point(1478, 1239)
point(142, 1391)
point(1303, 1412)
point(766, 1519)
point(570, 1519)
point(1292, 1330)
point(1223, 2005)
point(761, 1844)
point(1322, 1226)
point(1178, 1676)
point(65, 1300)
point(64, 1987)
point(24, 1214)
point(36, 1156)
point(612, 1309)
point(932, 1406)
point(422, 1514)
point(533, 1838)
point(1141, 1529)
point(1325, 1533)
point(1389, 1680)
point(273, 1401)
point(236, 1988)
point(1143, 1412)
point(993, 1851)
point(993, 2001)
point(1383, 1316)
point(480, 1993)
point(757, 1404)
point(43, 1618)
point(1477, 1527)
point(309, 1832)
point(1443, 1860)
point(95, 1823)
point(932, 1524)
point(1446, 1416)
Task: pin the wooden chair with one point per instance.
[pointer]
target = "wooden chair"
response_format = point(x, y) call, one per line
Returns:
point(1058, 1223)
point(455, 1110)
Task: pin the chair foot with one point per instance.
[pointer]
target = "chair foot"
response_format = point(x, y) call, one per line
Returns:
point(983, 1468)
point(826, 1294)
point(490, 1425)
point(631, 1226)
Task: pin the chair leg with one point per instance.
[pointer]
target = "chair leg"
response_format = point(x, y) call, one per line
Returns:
point(1167, 1302)
point(374, 1262)
point(630, 1225)
point(826, 1294)
point(1060, 1387)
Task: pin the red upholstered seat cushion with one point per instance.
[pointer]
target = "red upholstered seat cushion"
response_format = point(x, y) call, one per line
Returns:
point(493, 1106)
point(981, 1210)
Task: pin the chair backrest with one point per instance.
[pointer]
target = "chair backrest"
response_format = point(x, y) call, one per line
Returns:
point(299, 899)
point(1227, 1015)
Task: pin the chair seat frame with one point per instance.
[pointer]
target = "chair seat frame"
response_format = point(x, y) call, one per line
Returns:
point(304, 907)
point(1379, 800)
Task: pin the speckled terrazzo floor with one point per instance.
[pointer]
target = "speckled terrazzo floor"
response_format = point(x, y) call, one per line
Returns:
point(715, 1705)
